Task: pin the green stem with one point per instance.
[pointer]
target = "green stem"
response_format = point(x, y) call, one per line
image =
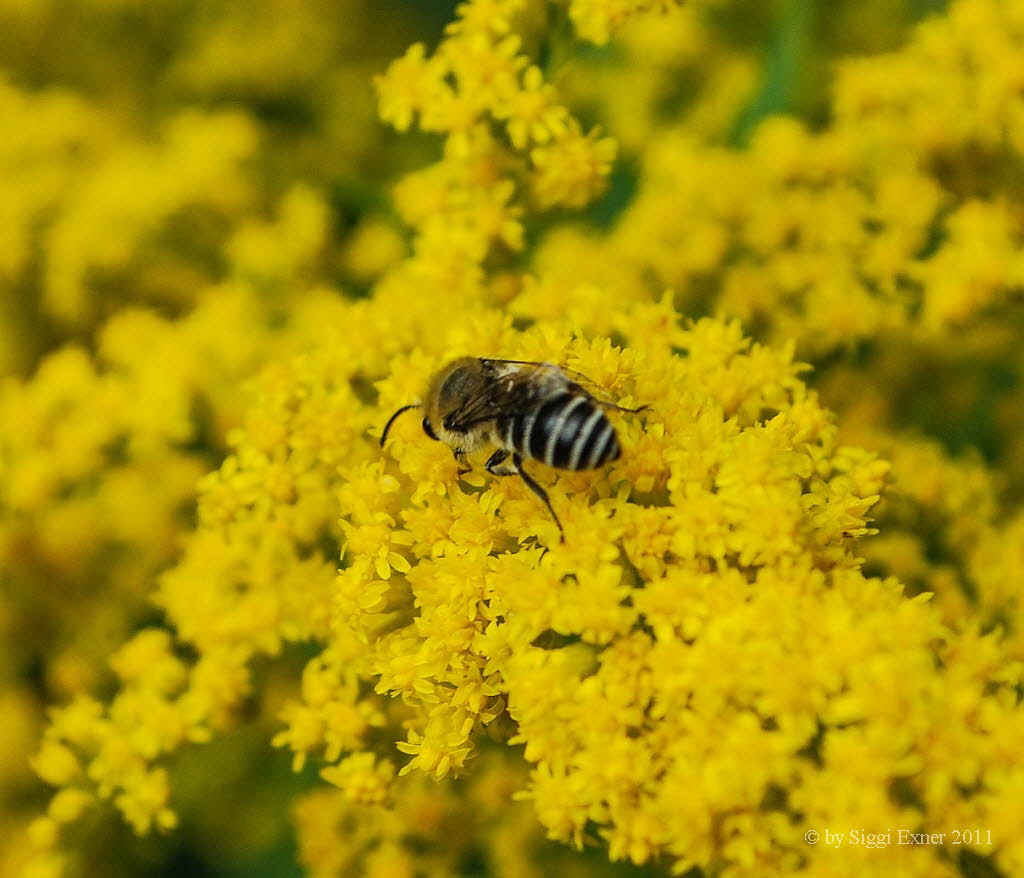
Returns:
point(783, 66)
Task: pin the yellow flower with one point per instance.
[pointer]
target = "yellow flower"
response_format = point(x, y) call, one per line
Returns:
point(571, 170)
point(56, 763)
point(409, 86)
point(144, 805)
point(363, 779)
point(486, 71)
point(68, 805)
point(438, 750)
point(485, 16)
point(978, 264)
point(532, 113)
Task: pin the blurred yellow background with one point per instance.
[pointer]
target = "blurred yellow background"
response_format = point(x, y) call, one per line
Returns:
point(193, 192)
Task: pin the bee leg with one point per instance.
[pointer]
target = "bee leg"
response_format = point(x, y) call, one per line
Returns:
point(493, 465)
point(622, 408)
point(517, 462)
point(495, 468)
point(460, 458)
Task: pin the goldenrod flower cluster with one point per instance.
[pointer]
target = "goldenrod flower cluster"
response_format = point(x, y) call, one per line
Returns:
point(793, 604)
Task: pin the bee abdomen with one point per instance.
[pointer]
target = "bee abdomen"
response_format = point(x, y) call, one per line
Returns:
point(567, 432)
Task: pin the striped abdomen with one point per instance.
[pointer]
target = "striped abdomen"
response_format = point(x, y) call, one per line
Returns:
point(567, 431)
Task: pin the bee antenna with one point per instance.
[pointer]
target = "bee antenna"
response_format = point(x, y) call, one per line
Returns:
point(391, 420)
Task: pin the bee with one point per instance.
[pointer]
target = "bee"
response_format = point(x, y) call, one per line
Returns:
point(530, 411)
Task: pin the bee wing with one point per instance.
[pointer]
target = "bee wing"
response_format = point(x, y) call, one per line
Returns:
point(583, 384)
point(514, 387)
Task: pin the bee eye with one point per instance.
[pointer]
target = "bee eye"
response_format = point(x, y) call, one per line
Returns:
point(428, 429)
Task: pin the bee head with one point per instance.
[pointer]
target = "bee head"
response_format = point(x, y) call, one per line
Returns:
point(451, 387)
point(448, 391)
